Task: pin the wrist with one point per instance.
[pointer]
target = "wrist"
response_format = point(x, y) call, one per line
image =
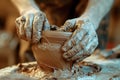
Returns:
point(88, 18)
point(30, 9)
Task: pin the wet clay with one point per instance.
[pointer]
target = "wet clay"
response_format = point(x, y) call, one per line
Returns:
point(48, 52)
point(84, 69)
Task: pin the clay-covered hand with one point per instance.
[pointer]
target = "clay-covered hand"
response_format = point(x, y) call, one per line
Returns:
point(30, 24)
point(83, 40)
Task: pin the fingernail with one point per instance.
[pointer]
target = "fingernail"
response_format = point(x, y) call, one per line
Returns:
point(65, 55)
point(64, 49)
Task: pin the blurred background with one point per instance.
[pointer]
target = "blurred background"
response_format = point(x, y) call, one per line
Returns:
point(13, 50)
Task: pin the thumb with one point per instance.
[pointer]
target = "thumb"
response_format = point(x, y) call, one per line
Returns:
point(69, 24)
point(46, 25)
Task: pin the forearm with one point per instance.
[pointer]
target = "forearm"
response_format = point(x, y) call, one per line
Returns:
point(96, 10)
point(23, 5)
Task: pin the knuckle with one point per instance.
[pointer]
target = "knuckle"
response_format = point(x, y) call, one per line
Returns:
point(76, 49)
point(67, 55)
point(83, 32)
point(86, 40)
point(20, 21)
point(70, 53)
point(17, 21)
point(78, 37)
point(82, 45)
point(69, 44)
point(42, 16)
point(36, 18)
point(38, 21)
point(73, 42)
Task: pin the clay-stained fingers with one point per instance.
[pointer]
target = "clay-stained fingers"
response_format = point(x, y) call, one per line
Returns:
point(92, 45)
point(20, 22)
point(28, 27)
point(77, 36)
point(86, 52)
point(69, 24)
point(37, 27)
point(77, 48)
point(76, 57)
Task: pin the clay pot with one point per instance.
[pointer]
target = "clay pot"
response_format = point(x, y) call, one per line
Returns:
point(49, 53)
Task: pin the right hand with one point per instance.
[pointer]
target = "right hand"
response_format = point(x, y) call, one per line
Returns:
point(30, 24)
point(83, 41)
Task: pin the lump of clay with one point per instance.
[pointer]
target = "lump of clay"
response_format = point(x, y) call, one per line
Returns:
point(48, 52)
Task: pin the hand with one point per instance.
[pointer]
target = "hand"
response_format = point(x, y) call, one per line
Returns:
point(30, 24)
point(83, 40)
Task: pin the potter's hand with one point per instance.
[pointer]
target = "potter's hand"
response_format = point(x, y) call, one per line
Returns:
point(30, 24)
point(83, 40)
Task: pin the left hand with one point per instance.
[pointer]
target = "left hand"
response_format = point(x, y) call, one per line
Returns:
point(83, 40)
point(30, 25)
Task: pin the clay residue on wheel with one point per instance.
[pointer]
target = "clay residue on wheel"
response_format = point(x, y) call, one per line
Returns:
point(34, 71)
point(31, 70)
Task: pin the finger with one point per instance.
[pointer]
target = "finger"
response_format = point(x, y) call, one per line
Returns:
point(28, 26)
point(17, 22)
point(79, 56)
point(92, 45)
point(87, 50)
point(17, 26)
point(20, 26)
point(76, 37)
point(68, 25)
point(46, 25)
point(83, 53)
point(76, 57)
point(37, 28)
point(76, 49)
